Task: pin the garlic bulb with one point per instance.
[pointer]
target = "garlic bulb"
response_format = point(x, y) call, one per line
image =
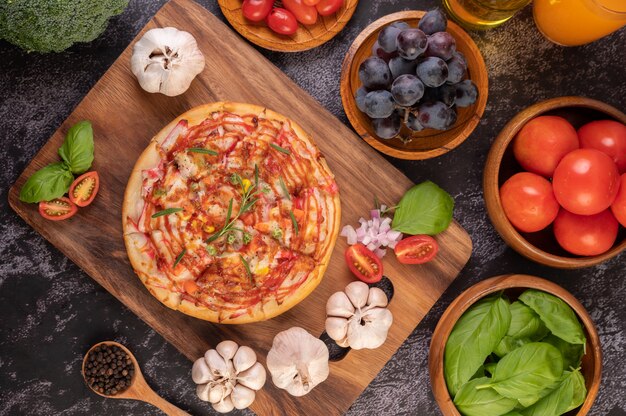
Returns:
point(228, 376)
point(358, 317)
point(297, 361)
point(166, 60)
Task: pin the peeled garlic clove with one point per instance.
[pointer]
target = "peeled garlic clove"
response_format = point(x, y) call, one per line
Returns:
point(200, 372)
point(242, 396)
point(224, 406)
point(227, 349)
point(244, 359)
point(358, 293)
point(254, 377)
point(336, 328)
point(216, 363)
point(339, 305)
point(203, 392)
point(377, 298)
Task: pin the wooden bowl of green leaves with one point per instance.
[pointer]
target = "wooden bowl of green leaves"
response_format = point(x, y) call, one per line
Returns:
point(515, 345)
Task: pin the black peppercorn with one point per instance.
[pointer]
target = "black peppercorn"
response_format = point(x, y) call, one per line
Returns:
point(109, 370)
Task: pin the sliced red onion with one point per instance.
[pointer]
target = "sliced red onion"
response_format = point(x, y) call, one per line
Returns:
point(376, 234)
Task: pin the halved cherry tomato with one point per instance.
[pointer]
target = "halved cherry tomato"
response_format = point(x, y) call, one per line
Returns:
point(282, 21)
point(328, 7)
point(85, 188)
point(585, 235)
point(619, 205)
point(57, 209)
point(364, 264)
point(256, 10)
point(528, 201)
point(310, 2)
point(417, 249)
point(307, 15)
point(607, 136)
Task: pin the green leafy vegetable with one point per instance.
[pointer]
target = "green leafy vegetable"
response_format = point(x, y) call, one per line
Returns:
point(490, 368)
point(247, 266)
point(525, 323)
point(484, 402)
point(78, 147)
point(280, 149)
point(508, 344)
point(513, 413)
point(48, 183)
point(556, 314)
point(572, 353)
point(568, 395)
point(424, 209)
point(202, 150)
point(284, 188)
point(473, 338)
point(294, 222)
point(166, 211)
point(180, 257)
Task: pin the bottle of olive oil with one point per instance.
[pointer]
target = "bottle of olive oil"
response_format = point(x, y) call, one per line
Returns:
point(482, 14)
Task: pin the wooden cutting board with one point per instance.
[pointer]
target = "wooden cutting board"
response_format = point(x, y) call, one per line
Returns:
point(124, 119)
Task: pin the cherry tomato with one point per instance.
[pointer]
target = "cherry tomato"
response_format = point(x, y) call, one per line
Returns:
point(619, 205)
point(310, 2)
point(585, 235)
point(307, 15)
point(328, 7)
point(586, 181)
point(363, 263)
point(417, 249)
point(528, 202)
point(57, 209)
point(543, 142)
point(84, 188)
point(607, 136)
point(256, 10)
point(282, 21)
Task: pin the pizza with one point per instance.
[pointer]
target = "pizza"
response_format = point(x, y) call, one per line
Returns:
point(230, 214)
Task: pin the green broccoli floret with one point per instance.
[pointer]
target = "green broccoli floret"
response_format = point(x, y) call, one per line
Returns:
point(55, 25)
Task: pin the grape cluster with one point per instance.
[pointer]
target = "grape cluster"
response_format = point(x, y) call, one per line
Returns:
point(414, 78)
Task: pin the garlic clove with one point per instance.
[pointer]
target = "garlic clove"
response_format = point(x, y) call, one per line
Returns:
point(377, 298)
point(200, 372)
point(216, 363)
point(202, 390)
point(358, 293)
point(254, 377)
point(224, 406)
point(217, 392)
point(339, 305)
point(370, 331)
point(343, 342)
point(242, 396)
point(336, 328)
point(244, 359)
point(227, 349)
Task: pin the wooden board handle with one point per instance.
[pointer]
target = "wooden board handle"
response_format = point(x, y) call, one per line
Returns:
point(168, 408)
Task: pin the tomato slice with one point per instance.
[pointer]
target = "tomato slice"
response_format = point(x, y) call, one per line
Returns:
point(417, 249)
point(85, 188)
point(57, 209)
point(364, 264)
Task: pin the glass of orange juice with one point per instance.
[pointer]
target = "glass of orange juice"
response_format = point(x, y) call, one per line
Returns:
point(577, 22)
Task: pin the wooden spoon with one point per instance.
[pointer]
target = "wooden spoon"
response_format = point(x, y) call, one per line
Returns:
point(139, 389)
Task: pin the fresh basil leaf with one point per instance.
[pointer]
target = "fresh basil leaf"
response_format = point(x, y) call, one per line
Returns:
point(424, 209)
point(48, 183)
point(556, 314)
point(77, 149)
point(572, 353)
point(529, 400)
point(490, 368)
point(479, 373)
point(527, 370)
point(485, 402)
point(508, 344)
point(568, 395)
point(525, 323)
point(513, 413)
point(477, 332)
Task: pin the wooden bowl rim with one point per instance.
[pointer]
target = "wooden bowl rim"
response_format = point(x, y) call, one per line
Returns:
point(125, 394)
point(491, 188)
point(278, 44)
point(494, 284)
point(348, 100)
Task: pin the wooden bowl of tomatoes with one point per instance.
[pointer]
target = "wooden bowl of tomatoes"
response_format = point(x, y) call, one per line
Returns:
point(288, 25)
point(555, 182)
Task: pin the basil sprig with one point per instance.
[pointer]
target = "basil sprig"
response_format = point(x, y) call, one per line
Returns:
point(77, 149)
point(424, 209)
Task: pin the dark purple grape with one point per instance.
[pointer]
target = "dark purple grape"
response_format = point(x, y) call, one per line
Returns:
point(374, 74)
point(466, 93)
point(389, 127)
point(379, 52)
point(445, 93)
point(441, 45)
point(413, 123)
point(400, 66)
point(456, 68)
point(387, 38)
point(433, 21)
point(430, 95)
point(407, 90)
point(411, 43)
point(432, 71)
point(379, 104)
point(359, 97)
point(436, 115)
point(401, 25)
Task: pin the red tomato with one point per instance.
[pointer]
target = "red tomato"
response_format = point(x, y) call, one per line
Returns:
point(585, 235)
point(57, 209)
point(328, 7)
point(609, 137)
point(528, 202)
point(84, 188)
point(307, 15)
point(310, 2)
point(417, 249)
point(364, 264)
point(585, 182)
point(543, 142)
point(256, 10)
point(282, 21)
point(619, 205)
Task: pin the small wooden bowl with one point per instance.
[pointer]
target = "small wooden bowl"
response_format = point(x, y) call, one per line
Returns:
point(307, 37)
point(427, 143)
point(541, 246)
point(512, 285)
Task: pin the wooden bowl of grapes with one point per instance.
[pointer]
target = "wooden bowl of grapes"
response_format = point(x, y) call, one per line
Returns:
point(414, 85)
point(530, 345)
